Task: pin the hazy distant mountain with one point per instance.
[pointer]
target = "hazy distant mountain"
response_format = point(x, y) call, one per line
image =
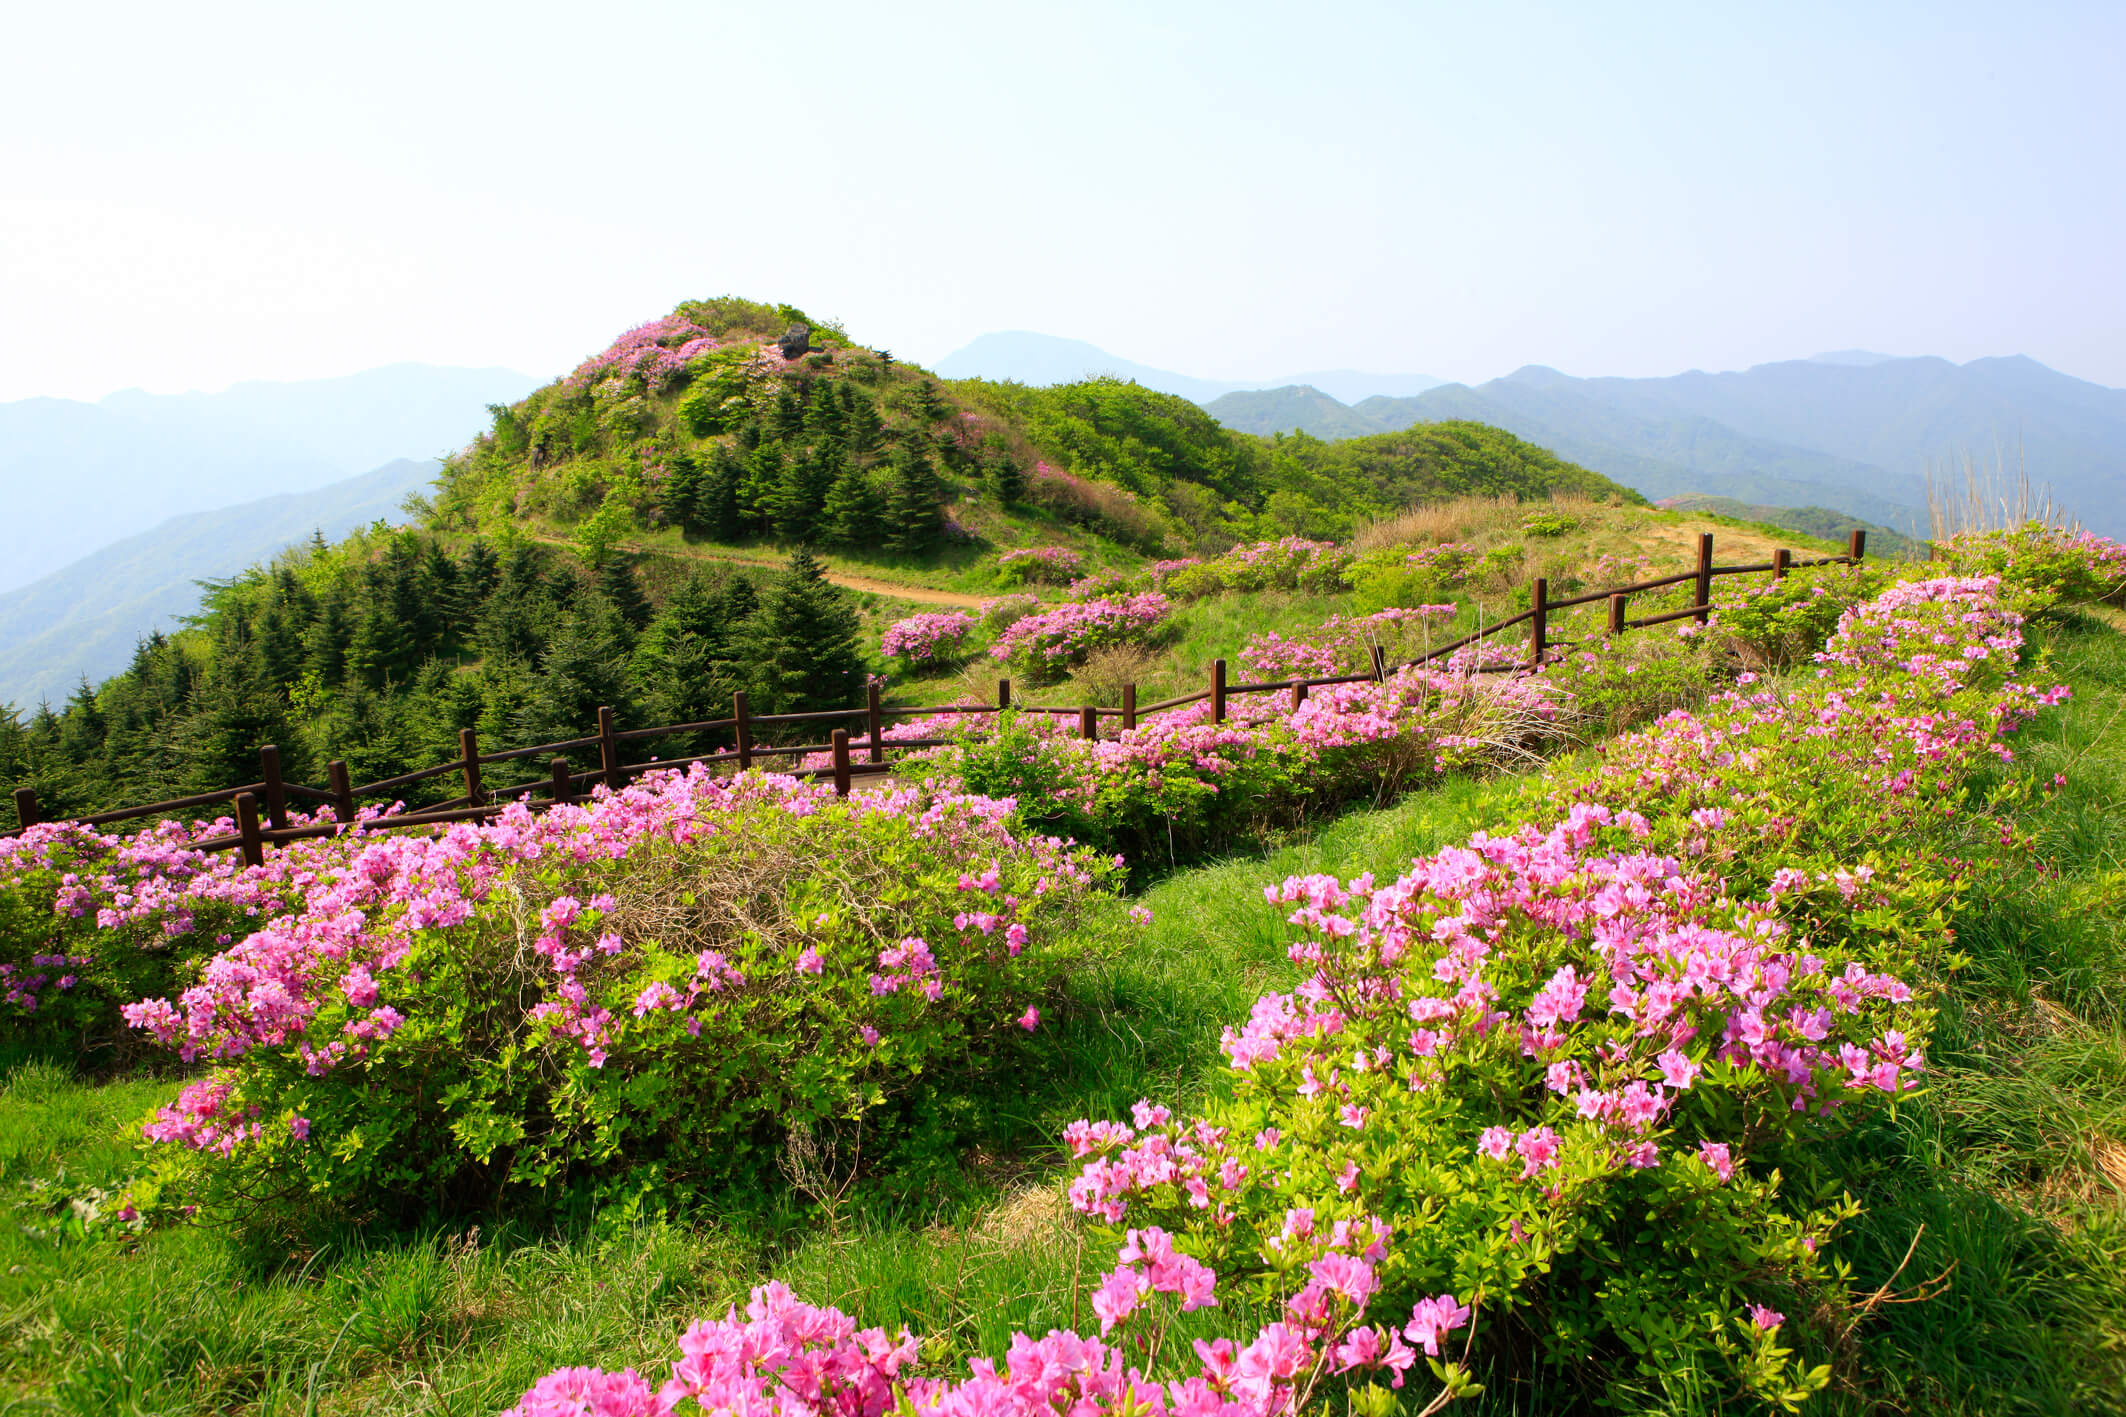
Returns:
point(1860, 357)
point(82, 475)
point(1028, 358)
point(1851, 431)
point(86, 618)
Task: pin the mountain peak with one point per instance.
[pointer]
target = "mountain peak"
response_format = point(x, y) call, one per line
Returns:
point(1538, 376)
point(1855, 358)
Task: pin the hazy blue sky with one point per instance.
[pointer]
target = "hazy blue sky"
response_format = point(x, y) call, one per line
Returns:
point(195, 194)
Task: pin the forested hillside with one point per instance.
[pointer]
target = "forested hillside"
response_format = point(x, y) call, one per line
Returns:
point(579, 552)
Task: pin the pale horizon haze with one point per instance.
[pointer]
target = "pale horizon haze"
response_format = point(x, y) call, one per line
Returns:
point(203, 194)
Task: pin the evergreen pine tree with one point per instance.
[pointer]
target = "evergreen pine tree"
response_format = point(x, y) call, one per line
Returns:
point(616, 579)
point(929, 407)
point(823, 416)
point(681, 497)
point(239, 711)
point(325, 645)
point(914, 520)
point(796, 502)
point(854, 513)
point(864, 434)
point(761, 486)
point(806, 642)
point(584, 666)
point(1007, 480)
point(787, 421)
point(716, 507)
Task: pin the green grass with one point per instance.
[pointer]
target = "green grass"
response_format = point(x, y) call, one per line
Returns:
point(2013, 1161)
point(2007, 1177)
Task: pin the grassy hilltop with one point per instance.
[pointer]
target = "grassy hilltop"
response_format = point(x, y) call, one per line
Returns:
point(611, 538)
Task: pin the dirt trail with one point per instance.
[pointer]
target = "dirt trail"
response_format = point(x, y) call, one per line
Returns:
point(871, 585)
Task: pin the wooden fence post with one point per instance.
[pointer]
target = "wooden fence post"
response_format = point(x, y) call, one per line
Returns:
point(247, 829)
point(1782, 562)
point(1616, 612)
point(1538, 621)
point(877, 721)
point(1380, 664)
point(1299, 695)
point(1003, 694)
point(563, 779)
point(1705, 576)
point(269, 771)
point(841, 762)
point(1857, 545)
point(609, 750)
point(342, 790)
point(744, 729)
point(1129, 707)
point(1217, 691)
point(1088, 722)
point(25, 807)
point(469, 765)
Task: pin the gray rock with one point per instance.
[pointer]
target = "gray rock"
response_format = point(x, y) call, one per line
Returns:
point(795, 341)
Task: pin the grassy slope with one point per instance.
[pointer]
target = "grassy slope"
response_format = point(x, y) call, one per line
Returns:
point(2012, 1161)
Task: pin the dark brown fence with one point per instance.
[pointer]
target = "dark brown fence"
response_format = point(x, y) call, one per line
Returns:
point(261, 808)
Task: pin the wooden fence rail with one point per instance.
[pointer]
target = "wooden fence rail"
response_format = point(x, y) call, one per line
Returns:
point(564, 783)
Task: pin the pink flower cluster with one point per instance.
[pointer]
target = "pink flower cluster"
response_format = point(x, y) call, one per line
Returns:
point(658, 351)
point(338, 948)
point(1054, 639)
point(1341, 644)
point(1054, 565)
point(931, 637)
point(20, 985)
point(793, 1359)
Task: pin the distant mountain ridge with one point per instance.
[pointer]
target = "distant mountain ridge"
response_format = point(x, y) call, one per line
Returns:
point(1023, 357)
point(83, 475)
point(85, 619)
point(1852, 431)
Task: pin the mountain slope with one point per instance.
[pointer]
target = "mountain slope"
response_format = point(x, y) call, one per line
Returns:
point(85, 619)
point(82, 475)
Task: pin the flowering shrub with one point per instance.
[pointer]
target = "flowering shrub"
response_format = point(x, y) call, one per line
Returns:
point(1046, 565)
point(657, 351)
point(1289, 563)
point(1044, 645)
point(1178, 782)
point(91, 920)
point(588, 1004)
point(2042, 565)
point(1344, 644)
point(936, 637)
point(1003, 611)
point(1780, 621)
point(1507, 1063)
point(798, 1360)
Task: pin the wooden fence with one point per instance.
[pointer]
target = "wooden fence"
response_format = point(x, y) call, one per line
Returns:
point(261, 807)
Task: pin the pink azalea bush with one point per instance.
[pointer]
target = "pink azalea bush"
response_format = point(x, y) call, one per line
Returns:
point(1044, 645)
point(1179, 782)
point(1661, 1003)
point(799, 1360)
point(935, 637)
point(2046, 565)
point(658, 351)
point(91, 920)
point(1047, 565)
point(574, 1005)
point(1288, 563)
point(1344, 644)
